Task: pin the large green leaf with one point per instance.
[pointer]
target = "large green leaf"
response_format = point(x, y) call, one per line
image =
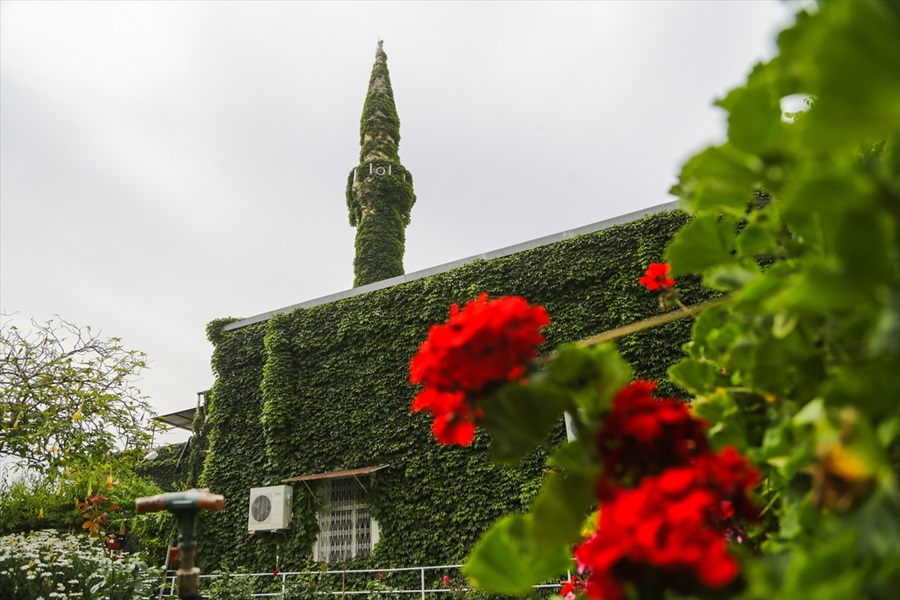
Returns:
point(521, 551)
point(510, 560)
point(859, 242)
point(731, 277)
point(591, 375)
point(705, 242)
point(720, 179)
point(519, 417)
point(821, 288)
point(754, 121)
point(560, 509)
point(694, 375)
point(756, 238)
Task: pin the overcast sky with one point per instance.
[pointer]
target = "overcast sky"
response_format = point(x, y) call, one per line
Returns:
point(163, 164)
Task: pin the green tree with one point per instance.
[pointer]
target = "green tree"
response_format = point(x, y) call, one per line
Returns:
point(68, 398)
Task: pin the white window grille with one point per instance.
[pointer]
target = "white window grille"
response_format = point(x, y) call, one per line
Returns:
point(346, 529)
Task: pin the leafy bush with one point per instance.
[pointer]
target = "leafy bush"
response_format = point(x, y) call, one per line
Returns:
point(28, 504)
point(230, 586)
point(151, 534)
point(47, 564)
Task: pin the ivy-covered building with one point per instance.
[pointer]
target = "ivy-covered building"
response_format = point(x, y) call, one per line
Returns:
point(319, 393)
point(316, 396)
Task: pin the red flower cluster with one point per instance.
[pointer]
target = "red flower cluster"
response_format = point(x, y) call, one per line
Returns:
point(485, 343)
point(657, 277)
point(666, 500)
point(570, 587)
point(454, 419)
point(645, 435)
point(669, 526)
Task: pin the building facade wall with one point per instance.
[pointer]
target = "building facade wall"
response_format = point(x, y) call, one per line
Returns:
point(327, 388)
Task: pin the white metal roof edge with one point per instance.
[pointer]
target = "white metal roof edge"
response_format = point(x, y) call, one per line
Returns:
point(508, 250)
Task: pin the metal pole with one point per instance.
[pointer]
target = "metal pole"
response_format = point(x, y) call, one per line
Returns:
point(185, 506)
point(422, 570)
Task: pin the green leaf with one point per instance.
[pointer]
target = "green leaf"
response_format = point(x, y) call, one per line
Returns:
point(570, 456)
point(754, 119)
point(873, 388)
point(812, 573)
point(810, 413)
point(889, 431)
point(820, 289)
point(879, 516)
point(519, 417)
point(727, 423)
point(860, 239)
point(705, 327)
point(731, 277)
point(508, 560)
point(756, 238)
point(884, 337)
point(521, 551)
point(694, 375)
point(705, 242)
point(560, 509)
point(720, 179)
point(752, 295)
point(826, 194)
point(591, 375)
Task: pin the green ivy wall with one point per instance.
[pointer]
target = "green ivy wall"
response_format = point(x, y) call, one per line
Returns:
point(326, 388)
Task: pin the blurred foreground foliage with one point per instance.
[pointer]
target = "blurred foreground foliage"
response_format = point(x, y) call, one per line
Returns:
point(796, 219)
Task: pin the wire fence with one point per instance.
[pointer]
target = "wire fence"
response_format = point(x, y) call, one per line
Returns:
point(429, 582)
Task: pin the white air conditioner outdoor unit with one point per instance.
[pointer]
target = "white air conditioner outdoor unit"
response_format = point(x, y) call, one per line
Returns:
point(270, 508)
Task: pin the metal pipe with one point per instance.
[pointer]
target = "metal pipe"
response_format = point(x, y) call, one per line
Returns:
point(185, 506)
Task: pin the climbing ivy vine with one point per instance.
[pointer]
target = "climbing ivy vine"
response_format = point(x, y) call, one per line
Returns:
point(327, 388)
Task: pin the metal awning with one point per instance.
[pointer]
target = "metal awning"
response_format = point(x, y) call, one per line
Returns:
point(183, 419)
point(336, 474)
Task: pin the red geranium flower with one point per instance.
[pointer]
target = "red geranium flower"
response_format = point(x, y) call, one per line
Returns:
point(570, 587)
point(665, 529)
point(484, 342)
point(644, 435)
point(657, 277)
point(454, 420)
point(482, 345)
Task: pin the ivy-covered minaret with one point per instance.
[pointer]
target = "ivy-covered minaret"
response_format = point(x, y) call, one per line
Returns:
point(380, 190)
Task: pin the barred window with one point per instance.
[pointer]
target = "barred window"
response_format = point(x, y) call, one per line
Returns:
point(346, 529)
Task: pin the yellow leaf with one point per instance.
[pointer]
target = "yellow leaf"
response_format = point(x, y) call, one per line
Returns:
point(86, 525)
point(77, 416)
point(847, 465)
point(41, 513)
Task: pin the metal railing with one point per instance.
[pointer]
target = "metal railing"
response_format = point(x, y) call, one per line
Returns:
point(422, 589)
